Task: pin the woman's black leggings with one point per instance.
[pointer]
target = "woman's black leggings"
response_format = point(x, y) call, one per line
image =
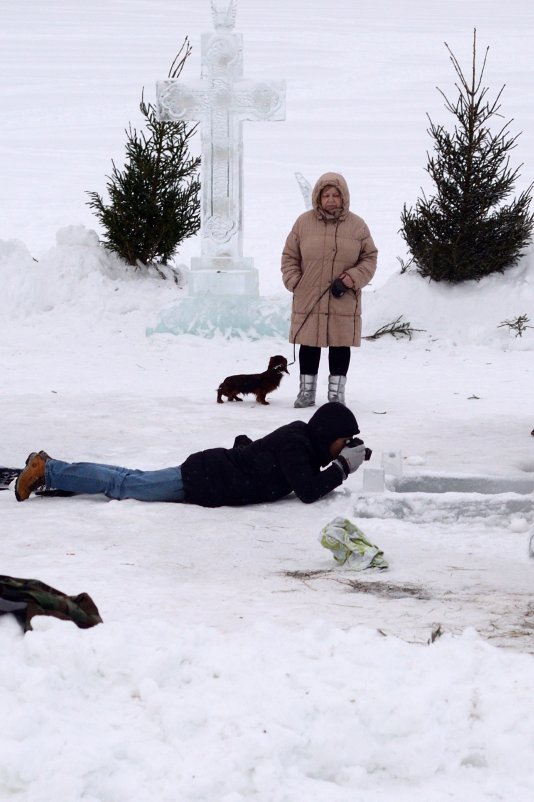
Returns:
point(338, 360)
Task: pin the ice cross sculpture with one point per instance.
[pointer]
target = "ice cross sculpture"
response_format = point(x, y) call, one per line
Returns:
point(221, 100)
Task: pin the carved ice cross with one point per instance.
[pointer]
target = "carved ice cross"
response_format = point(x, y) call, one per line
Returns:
point(221, 100)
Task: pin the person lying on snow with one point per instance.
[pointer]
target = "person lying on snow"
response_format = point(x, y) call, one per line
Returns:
point(287, 460)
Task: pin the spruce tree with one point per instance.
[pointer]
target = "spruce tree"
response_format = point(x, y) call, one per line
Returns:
point(154, 200)
point(466, 230)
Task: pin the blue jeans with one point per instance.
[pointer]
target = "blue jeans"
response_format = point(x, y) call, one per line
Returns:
point(115, 482)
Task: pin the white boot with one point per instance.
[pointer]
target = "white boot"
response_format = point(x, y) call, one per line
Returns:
point(336, 388)
point(306, 396)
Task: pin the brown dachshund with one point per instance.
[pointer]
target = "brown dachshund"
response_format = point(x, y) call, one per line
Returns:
point(257, 383)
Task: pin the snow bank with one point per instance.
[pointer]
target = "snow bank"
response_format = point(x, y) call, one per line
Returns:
point(77, 273)
point(126, 710)
point(468, 313)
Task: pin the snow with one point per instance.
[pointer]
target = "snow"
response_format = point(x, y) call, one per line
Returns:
point(237, 661)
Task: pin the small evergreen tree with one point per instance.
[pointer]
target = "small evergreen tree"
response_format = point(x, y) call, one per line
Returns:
point(466, 231)
point(154, 200)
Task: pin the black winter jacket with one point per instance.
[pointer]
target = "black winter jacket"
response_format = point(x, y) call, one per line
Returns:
point(286, 460)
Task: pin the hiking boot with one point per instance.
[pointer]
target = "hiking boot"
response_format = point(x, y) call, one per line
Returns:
point(32, 475)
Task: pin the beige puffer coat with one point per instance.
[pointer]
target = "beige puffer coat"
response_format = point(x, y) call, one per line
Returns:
point(317, 250)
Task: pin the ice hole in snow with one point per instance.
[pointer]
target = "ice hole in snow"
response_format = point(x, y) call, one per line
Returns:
point(428, 483)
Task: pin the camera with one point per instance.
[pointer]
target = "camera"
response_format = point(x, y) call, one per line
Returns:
point(357, 442)
point(337, 288)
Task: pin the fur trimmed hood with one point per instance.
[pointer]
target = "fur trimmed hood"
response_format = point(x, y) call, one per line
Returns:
point(331, 180)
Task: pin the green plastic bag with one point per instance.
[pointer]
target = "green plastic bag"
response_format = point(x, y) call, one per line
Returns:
point(350, 547)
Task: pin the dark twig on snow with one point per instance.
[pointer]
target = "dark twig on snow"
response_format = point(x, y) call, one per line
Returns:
point(405, 266)
point(395, 328)
point(436, 633)
point(518, 324)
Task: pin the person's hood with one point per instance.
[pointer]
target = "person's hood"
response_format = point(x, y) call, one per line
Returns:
point(331, 180)
point(332, 420)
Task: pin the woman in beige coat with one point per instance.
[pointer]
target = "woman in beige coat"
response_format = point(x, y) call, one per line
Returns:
point(327, 243)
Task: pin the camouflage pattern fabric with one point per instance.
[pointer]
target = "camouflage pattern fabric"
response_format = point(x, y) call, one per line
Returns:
point(242, 441)
point(7, 475)
point(28, 597)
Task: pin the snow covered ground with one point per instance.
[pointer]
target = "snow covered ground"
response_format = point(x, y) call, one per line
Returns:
point(236, 661)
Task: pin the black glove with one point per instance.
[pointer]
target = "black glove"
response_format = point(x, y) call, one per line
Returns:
point(350, 458)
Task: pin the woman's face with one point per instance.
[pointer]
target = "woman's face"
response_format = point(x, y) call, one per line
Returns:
point(331, 199)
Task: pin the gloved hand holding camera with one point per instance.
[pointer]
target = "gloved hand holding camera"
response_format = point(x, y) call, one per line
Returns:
point(352, 455)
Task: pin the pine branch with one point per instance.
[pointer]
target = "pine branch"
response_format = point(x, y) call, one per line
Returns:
point(396, 329)
point(518, 324)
